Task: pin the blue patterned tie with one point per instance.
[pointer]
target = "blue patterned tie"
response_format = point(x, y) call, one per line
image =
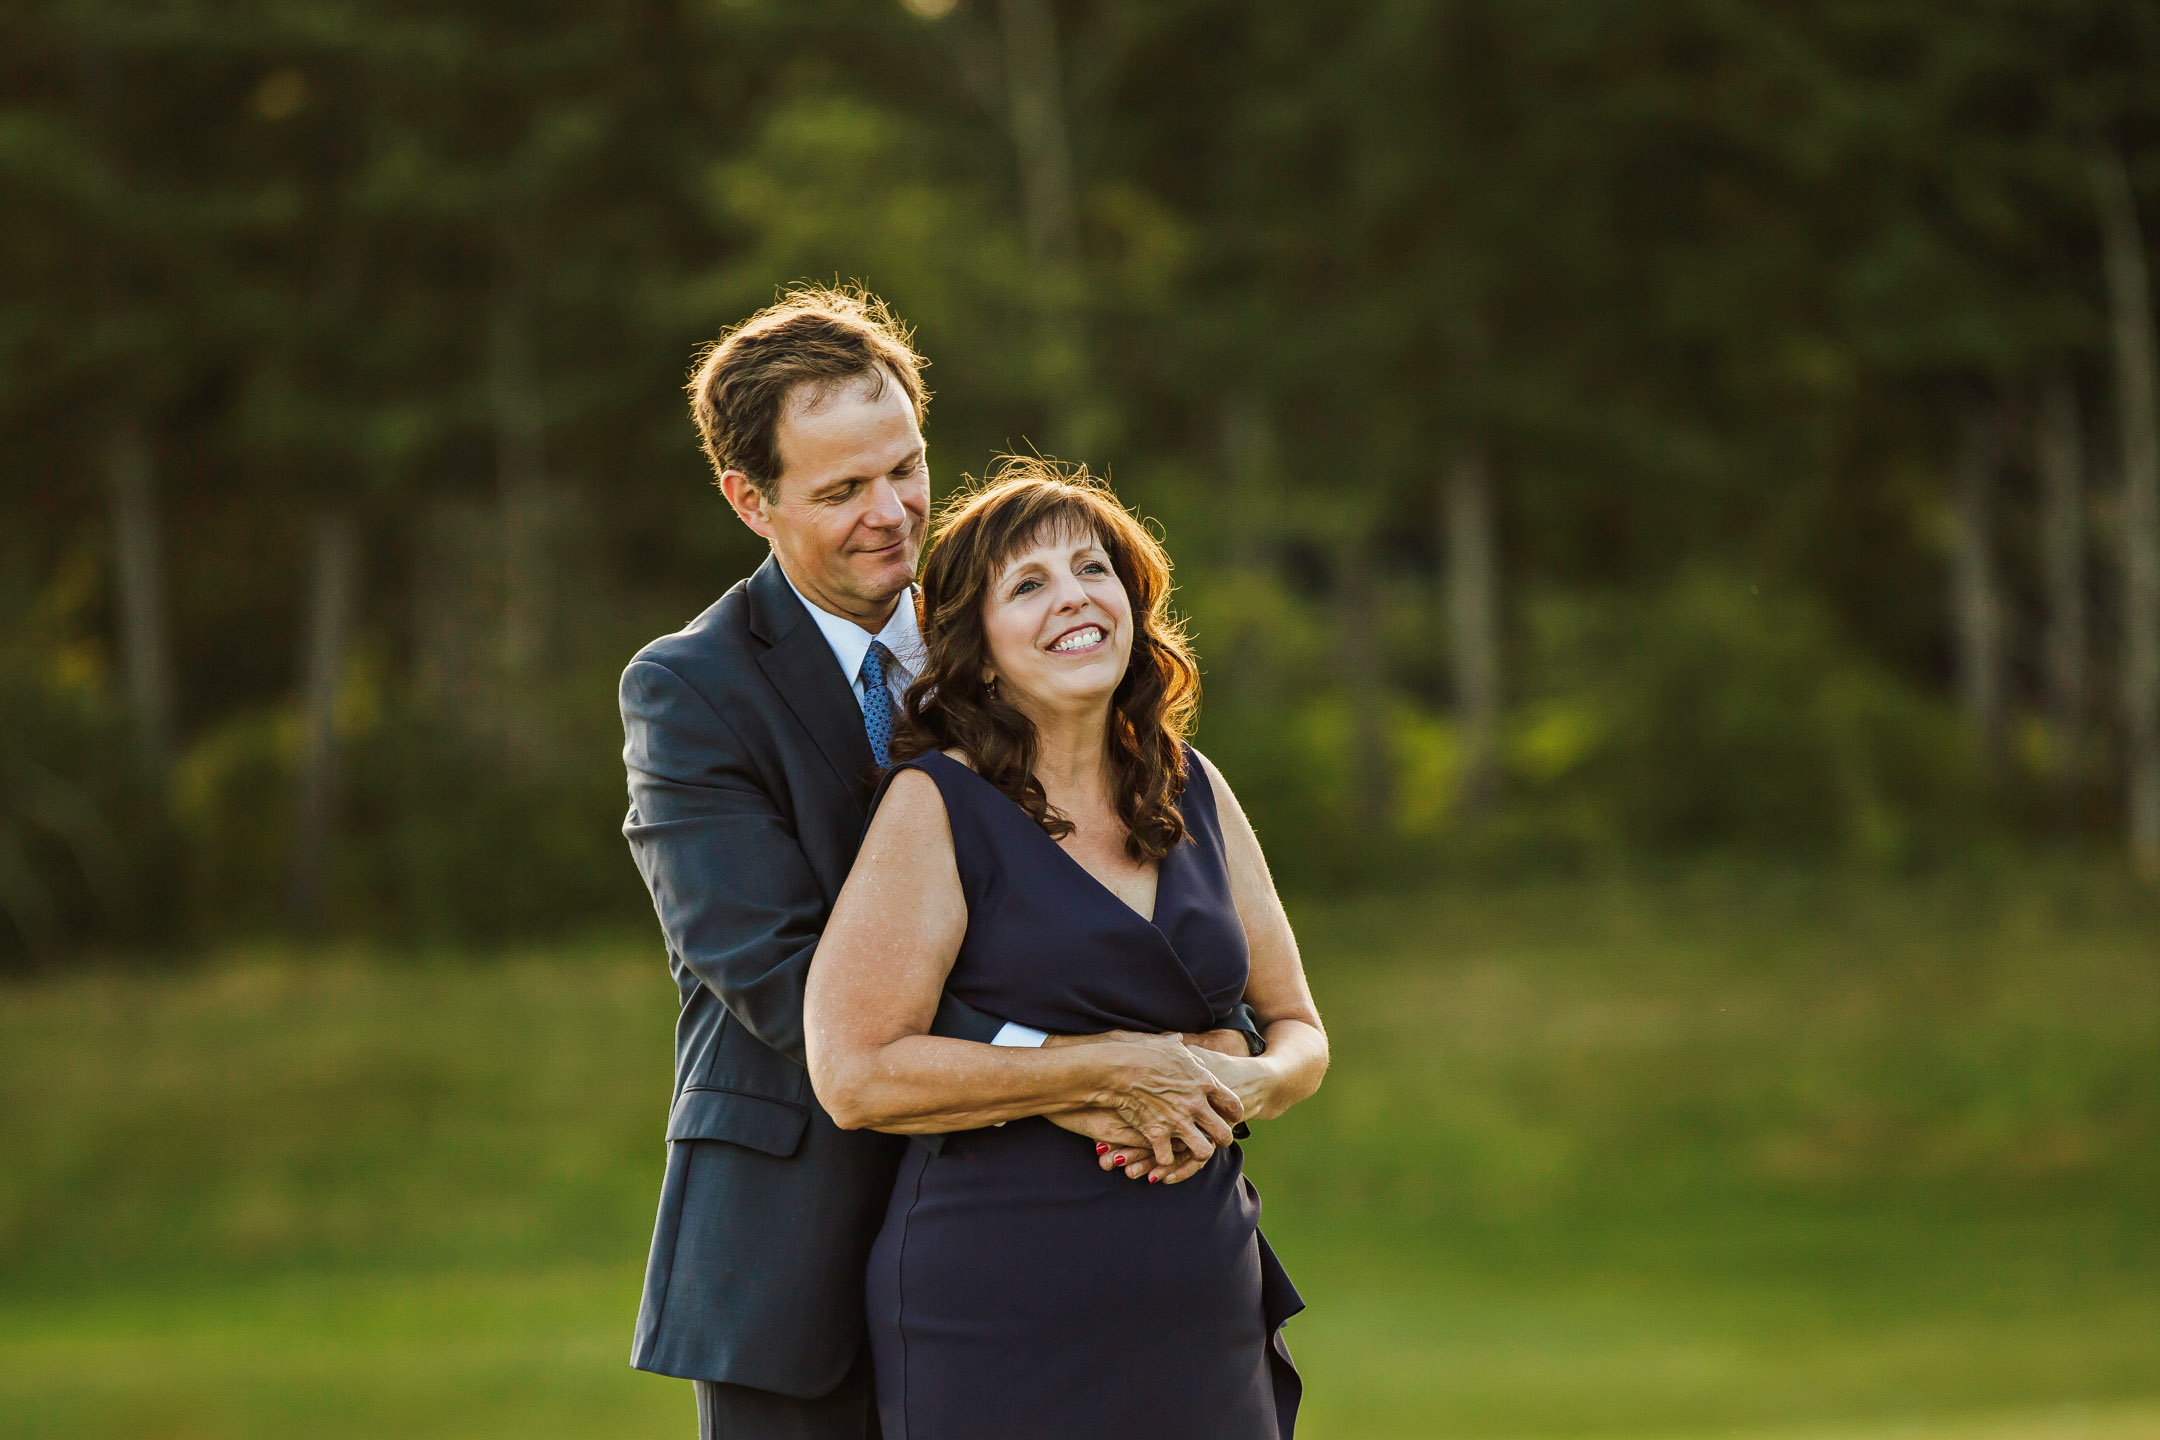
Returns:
point(877, 702)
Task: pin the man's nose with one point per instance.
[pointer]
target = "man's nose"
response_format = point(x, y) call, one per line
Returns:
point(884, 509)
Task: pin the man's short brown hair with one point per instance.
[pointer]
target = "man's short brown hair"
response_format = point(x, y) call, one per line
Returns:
point(813, 335)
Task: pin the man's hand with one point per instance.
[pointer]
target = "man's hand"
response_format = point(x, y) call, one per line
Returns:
point(1222, 1042)
point(1106, 1037)
point(1110, 1133)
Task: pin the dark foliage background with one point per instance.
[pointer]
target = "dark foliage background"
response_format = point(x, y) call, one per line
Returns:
point(1591, 433)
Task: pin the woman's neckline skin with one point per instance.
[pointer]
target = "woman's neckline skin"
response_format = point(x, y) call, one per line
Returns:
point(1137, 887)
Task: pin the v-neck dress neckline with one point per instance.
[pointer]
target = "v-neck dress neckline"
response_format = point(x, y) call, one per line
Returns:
point(1162, 866)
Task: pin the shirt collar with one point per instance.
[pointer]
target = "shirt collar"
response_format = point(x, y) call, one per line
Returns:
point(849, 642)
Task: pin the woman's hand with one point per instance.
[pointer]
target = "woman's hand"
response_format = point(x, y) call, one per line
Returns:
point(1250, 1077)
point(1142, 1165)
point(1163, 1091)
point(1104, 1128)
point(1120, 1147)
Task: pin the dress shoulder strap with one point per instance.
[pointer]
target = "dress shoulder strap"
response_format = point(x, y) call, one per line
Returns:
point(1198, 802)
point(938, 766)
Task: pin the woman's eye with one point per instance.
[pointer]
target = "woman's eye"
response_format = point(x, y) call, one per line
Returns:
point(1023, 587)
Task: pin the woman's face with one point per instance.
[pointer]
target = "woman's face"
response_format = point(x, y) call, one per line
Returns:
point(1058, 625)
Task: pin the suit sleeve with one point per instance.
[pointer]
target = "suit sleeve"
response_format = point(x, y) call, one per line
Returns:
point(734, 894)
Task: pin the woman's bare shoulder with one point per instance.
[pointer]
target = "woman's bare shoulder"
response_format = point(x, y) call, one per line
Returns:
point(911, 792)
point(1238, 828)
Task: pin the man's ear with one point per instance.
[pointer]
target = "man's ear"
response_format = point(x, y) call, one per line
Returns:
point(748, 500)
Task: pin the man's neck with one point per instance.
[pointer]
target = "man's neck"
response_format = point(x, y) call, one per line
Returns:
point(848, 608)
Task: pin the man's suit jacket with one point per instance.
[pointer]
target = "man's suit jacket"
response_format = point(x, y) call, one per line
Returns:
point(750, 779)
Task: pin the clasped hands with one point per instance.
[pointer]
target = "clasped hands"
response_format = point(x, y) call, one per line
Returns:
point(1171, 1101)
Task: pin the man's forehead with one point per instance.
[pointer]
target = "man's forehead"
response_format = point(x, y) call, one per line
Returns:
point(808, 397)
point(850, 431)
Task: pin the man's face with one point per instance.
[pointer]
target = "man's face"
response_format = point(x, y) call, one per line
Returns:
point(847, 514)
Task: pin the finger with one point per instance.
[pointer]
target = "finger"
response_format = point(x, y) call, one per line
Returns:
point(1184, 1172)
point(1164, 1144)
point(1142, 1166)
point(1226, 1102)
point(1121, 1157)
point(1188, 1166)
point(1196, 1143)
point(1218, 1129)
point(1206, 1120)
point(1146, 1169)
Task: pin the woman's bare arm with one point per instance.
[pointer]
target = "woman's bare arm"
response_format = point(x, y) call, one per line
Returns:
point(1297, 1053)
point(873, 990)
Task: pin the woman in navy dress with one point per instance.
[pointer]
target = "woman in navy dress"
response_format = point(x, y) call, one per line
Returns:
point(1050, 851)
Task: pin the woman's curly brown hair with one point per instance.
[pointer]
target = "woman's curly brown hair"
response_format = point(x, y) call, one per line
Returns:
point(950, 705)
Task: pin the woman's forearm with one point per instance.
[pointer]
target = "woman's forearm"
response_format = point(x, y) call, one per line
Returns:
point(1300, 1052)
point(927, 1085)
point(1290, 1071)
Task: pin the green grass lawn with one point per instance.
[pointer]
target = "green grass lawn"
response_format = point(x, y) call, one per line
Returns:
point(1773, 1156)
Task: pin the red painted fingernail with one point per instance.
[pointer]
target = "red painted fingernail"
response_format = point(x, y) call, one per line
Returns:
point(1155, 1178)
point(1117, 1159)
point(1101, 1149)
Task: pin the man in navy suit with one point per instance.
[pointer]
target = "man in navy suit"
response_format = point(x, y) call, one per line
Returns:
point(752, 739)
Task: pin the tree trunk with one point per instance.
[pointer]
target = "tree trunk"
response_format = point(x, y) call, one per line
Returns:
point(2059, 458)
point(1365, 678)
point(1036, 97)
point(1473, 600)
point(333, 600)
point(520, 474)
point(2138, 410)
point(1975, 594)
point(139, 575)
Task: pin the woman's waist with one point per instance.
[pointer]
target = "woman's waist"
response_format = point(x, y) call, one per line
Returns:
point(1038, 1153)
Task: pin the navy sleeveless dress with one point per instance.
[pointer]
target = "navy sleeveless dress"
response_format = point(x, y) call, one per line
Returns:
point(1016, 1289)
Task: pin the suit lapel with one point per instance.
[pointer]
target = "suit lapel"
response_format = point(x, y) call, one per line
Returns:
point(800, 666)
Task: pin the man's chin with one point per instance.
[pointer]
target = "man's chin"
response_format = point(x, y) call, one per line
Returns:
point(880, 584)
point(886, 575)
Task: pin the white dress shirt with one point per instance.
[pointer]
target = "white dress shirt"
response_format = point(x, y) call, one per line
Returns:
point(902, 639)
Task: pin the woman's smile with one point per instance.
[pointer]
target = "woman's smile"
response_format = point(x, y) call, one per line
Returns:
point(1080, 639)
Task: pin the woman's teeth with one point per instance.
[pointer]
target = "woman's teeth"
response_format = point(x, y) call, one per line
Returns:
point(1079, 639)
